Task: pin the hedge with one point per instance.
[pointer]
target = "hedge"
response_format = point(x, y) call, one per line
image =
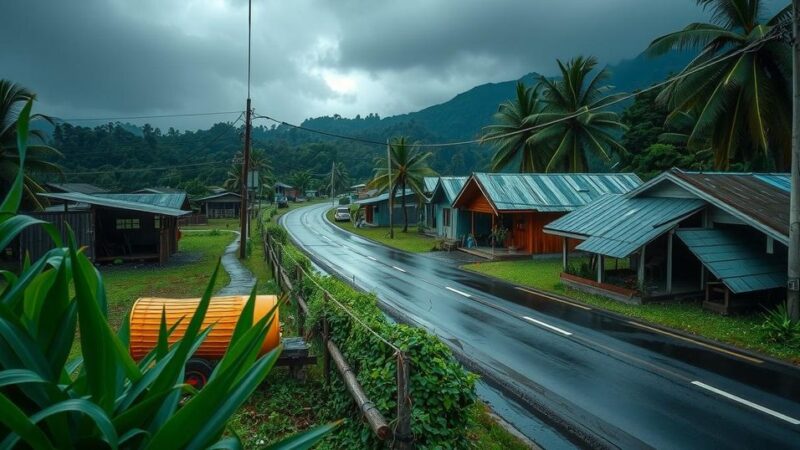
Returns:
point(442, 391)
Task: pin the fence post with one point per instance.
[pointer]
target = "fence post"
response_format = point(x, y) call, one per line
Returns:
point(326, 360)
point(300, 319)
point(403, 439)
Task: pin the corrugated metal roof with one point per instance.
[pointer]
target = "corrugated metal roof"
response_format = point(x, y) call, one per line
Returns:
point(551, 192)
point(83, 188)
point(617, 226)
point(430, 184)
point(213, 196)
point(383, 197)
point(741, 265)
point(782, 181)
point(117, 203)
point(175, 201)
point(447, 189)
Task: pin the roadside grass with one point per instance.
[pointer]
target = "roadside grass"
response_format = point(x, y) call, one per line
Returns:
point(487, 434)
point(411, 241)
point(744, 331)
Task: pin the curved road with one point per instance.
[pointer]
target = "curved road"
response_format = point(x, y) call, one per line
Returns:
point(601, 380)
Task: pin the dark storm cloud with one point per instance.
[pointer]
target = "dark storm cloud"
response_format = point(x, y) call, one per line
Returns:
point(310, 57)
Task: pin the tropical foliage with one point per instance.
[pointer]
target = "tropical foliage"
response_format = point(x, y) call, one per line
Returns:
point(105, 399)
point(258, 163)
point(340, 177)
point(302, 180)
point(40, 157)
point(738, 87)
point(561, 123)
point(409, 168)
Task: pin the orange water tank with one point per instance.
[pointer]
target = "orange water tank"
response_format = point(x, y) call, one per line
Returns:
point(223, 313)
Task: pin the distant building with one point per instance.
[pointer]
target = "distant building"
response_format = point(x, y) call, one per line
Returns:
point(159, 190)
point(722, 236)
point(284, 189)
point(81, 188)
point(376, 209)
point(223, 205)
point(440, 216)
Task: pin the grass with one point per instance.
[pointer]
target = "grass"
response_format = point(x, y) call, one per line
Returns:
point(744, 331)
point(410, 241)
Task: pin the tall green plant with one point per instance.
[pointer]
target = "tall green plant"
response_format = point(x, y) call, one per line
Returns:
point(104, 398)
point(739, 86)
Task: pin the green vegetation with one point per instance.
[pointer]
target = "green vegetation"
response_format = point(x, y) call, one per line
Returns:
point(410, 241)
point(409, 168)
point(512, 117)
point(742, 331)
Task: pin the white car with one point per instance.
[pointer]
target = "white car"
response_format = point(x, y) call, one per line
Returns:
point(342, 215)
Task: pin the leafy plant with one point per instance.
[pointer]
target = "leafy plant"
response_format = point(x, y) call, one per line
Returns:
point(780, 327)
point(499, 235)
point(104, 398)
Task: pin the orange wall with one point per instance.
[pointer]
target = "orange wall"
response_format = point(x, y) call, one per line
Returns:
point(528, 233)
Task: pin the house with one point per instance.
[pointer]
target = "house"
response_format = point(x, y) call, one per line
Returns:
point(82, 188)
point(224, 205)
point(376, 209)
point(284, 189)
point(128, 227)
point(720, 236)
point(518, 206)
point(159, 190)
point(359, 190)
point(448, 222)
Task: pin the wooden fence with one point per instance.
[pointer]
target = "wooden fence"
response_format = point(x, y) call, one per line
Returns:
point(402, 437)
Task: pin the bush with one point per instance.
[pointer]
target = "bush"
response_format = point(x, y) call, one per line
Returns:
point(780, 327)
point(104, 398)
point(442, 390)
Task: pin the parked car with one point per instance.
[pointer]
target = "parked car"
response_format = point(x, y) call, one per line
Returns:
point(342, 215)
point(281, 201)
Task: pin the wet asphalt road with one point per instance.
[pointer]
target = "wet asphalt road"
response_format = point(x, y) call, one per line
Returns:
point(608, 381)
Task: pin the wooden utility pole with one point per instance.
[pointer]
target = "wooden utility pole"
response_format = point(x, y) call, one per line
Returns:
point(793, 286)
point(333, 191)
point(244, 216)
point(391, 194)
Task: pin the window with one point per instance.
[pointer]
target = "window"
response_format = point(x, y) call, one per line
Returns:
point(128, 224)
point(446, 217)
point(157, 222)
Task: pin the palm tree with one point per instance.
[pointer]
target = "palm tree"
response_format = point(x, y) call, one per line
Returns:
point(341, 179)
point(301, 181)
point(409, 168)
point(511, 117)
point(38, 156)
point(258, 162)
point(739, 84)
point(570, 125)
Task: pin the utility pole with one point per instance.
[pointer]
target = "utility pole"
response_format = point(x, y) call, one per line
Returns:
point(391, 194)
point(244, 215)
point(793, 286)
point(333, 191)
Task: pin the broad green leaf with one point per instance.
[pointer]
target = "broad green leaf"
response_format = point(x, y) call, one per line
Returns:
point(245, 321)
point(14, 197)
point(21, 426)
point(163, 345)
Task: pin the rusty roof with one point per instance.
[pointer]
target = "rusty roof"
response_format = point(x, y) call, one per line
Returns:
point(751, 195)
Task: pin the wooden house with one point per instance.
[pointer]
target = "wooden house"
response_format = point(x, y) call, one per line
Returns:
point(522, 204)
point(719, 236)
point(224, 205)
point(128, 227)
point(376, 209)
point(290, 192)
point(441, 217)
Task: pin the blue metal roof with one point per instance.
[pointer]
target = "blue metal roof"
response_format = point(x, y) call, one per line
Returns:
point(447, 189)
point(171, 200)
point(740, 264)
point(551, 192)
point(430, 184)
point(782, 181)
point(617, 226)
point(117, 203)
point(383, 197)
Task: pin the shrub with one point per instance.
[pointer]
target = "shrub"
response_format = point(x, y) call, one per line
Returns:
point(780, 327)
point(104, 398)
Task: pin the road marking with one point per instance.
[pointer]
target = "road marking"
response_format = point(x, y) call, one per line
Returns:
point(553, 298)
point(397, 268)
point(370, 257)
point(702, 344)
point(458, 292)
point(735, 398)
point(547, 325)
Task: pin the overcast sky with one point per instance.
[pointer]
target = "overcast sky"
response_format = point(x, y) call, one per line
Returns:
point(111, 58)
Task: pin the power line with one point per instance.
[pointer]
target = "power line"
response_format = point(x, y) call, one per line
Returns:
point(157, 116)
point(620, 99)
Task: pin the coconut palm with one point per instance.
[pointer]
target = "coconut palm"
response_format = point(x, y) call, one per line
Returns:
point(739, 84)
point(301, 181)
point(511, 118)
point(572, 124)
point(258, 162)
point(409, 168)
point(340, 176)
point(39, 156)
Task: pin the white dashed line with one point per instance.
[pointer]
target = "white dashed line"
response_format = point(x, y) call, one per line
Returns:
point(397, 268)
point(737, 399)
point(458, 292)
point(547, 325)
point(370, 257)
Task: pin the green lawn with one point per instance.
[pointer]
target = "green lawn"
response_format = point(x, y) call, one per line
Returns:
point(411, 241)
point(743, 331)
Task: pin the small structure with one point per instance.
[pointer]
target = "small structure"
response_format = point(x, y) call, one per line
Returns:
point(284, 189)
point(139, 227)
point(224, 205)
point(376, 209)
point(448, 222)
point(722, 236)
point(81, 188)
point(309, 194)
point(359, 190)
point(511, 210)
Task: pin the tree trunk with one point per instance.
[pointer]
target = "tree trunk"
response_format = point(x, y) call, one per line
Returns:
point(405, 212)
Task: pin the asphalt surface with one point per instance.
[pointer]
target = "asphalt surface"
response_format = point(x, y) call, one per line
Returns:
point(597, 379)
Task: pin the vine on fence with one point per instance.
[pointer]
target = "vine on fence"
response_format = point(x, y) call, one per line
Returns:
point(442, 391)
